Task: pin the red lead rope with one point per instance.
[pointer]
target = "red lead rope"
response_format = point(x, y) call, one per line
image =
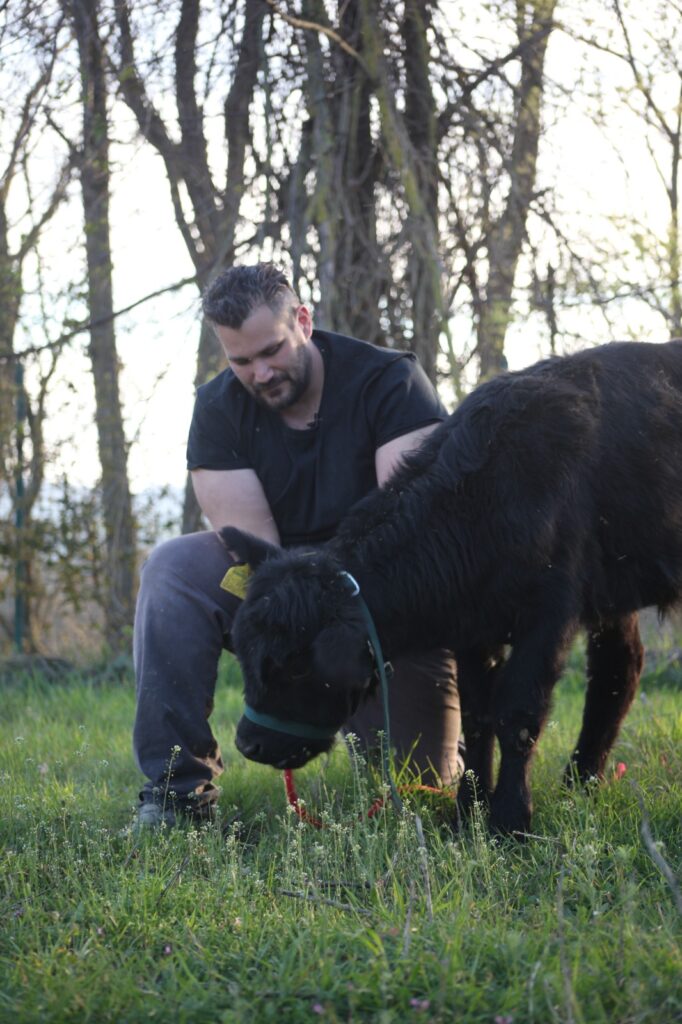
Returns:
point(292, 797)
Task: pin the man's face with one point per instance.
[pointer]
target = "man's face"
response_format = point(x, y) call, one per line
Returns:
point(270, 355)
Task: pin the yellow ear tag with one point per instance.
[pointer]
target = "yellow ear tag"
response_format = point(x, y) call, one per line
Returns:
point(235, 580)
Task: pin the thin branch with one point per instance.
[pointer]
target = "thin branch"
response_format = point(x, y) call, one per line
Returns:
point(639, 81)
point(30, 239)
point(313, 26)
point(87, 325)
point(27, 120)
point(134, 93)
point(494, 68)
point(500, 62)
point(321, 899)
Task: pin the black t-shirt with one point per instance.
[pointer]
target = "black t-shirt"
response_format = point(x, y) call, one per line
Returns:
point(312, 477)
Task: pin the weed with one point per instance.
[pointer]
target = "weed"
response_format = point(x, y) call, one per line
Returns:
point(360, 921)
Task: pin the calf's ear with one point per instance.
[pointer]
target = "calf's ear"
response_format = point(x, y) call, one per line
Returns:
point(244, 547)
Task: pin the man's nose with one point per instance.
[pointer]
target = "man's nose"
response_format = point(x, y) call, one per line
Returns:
point(262, 371)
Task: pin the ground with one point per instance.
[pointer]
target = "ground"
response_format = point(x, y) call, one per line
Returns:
point(357, 922)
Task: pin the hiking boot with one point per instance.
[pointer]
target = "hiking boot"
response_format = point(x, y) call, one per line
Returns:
point(151, 816)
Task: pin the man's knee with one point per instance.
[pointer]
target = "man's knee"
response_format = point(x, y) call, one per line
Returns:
point(194, 557)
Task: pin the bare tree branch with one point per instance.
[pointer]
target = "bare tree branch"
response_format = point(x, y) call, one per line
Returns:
point(326, 30)
point(30, 239)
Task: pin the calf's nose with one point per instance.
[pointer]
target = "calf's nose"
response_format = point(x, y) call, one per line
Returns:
point(250, 749)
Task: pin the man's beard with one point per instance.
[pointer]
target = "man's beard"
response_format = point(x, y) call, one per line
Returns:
point(288, 387)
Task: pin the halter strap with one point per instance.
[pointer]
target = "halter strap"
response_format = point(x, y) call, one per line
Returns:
point(301, 729)
point(305, 731)
point(383, 678)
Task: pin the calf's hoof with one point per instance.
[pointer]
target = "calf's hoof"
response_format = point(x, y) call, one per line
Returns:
point(508, 820)
point(582, 775)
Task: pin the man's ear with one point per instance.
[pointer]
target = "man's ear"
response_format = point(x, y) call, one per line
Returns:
point(244, 547)
point(304, 321)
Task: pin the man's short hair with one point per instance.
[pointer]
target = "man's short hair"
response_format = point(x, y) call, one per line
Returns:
point(236, 293)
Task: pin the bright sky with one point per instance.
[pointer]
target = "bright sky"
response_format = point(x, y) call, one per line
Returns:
point(157, 343)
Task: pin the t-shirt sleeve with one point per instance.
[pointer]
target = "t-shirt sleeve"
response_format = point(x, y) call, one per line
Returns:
point(401, 400)
point(213, 441)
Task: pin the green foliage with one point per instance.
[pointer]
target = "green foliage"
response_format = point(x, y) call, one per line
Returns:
point(286, 923)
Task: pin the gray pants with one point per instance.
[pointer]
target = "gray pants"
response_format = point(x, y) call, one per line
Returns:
point(182, 624)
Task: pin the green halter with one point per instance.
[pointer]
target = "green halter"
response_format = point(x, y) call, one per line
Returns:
point(306, 731)
point(302, 729)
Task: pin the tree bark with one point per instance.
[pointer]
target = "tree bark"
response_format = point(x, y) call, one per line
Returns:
point(119, 525)
point(422, 128)
point(362, 278)
point(336, 145)
point(429, 315)
point(322, 209)
point(508, 232)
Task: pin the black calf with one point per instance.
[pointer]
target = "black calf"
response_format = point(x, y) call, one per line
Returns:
point(551, 499)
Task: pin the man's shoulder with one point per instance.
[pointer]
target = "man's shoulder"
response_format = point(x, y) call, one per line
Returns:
point(223, 387)
point(345, 348)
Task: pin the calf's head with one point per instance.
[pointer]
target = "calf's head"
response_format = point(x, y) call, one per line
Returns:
point(301, 641)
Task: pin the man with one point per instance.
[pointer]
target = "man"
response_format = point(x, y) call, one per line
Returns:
point(302, 425)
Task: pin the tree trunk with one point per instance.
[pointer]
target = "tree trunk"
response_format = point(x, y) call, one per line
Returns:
point(336, 145)
point(421, 124)
point(119, 526)
point(10, 294)
point(507, 234)
point(361, 275)
point(322, 209)
point(429, 315)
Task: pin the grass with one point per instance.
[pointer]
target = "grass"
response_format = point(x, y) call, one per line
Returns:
point(358, 922)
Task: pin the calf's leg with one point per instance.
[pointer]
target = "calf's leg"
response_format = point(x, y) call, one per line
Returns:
point(614, 664)
point(477, 673)
point(521, 705)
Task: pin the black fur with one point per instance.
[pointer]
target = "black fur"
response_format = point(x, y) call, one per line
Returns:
point(551, 499)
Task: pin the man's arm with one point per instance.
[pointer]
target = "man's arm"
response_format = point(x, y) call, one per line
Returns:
point(235, 497)
point(388, 457)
